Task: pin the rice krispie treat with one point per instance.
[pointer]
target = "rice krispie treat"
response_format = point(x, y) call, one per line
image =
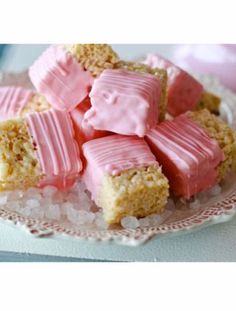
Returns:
point(123, 177)
point(220, 131)
point(58, 76)
point(83, 131)
point(124, 102)
point(195, 149)
point(38, 150)
point(94, 57)
point(161, 74)
point(18, 101)
point(184, 92)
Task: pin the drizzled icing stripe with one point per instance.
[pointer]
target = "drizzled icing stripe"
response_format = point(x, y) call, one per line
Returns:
point(189, 144)
point(195, 145)
point(160, 142)
point(192, 130)
point(119, 152)
point(140, 87)
point(144, 84)
point(189, 157)
point(64, 155)
point(124, 102)
point(13, 100)
point(112, 155)
point(120, 147)
point(58, 143)
point(60, 78)
point(56, 149)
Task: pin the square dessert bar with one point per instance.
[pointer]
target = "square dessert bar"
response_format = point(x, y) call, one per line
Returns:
point(161, 75)
point(60, 78)
point(123, 177)
point(184, 92)
point(124, 102)
point(196, 150)
point(18, 101)
point(94, 57)
point(38, 150)
point(219, 130)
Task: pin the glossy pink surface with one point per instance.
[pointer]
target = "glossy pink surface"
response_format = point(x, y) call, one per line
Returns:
point(57, 151)
point(183, 90)
point(124, 102)
point(111, 155)
point(13, 100)
point(189, 157)
point(60, 78)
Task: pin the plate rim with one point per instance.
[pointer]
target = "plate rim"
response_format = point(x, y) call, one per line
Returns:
point(216, 212)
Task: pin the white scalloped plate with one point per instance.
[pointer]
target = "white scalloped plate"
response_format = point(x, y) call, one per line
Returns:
point(218, 209)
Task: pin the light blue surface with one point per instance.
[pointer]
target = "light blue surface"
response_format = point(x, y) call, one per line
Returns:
point(3, 50)
point(21, 56)
point(216, 243)
point(18, 257)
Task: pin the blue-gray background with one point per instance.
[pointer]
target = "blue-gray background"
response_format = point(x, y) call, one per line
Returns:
point(18, 57)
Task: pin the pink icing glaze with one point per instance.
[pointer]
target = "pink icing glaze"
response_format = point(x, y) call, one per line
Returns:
point(57, 152)
point(124, 102)
point(189, 157)
point(111, 155)
point(60, 78)
point(13, 100)
point(183, 90)
point(84, 132)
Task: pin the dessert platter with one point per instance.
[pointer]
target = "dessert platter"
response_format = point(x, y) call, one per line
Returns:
point(97, 148)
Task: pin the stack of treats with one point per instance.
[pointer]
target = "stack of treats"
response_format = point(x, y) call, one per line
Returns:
point(103, 120)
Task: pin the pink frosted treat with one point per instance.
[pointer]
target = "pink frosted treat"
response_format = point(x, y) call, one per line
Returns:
point(124, 102)
point(123, 177)
point(13, 100)
point(60, 78)
point(189, 157)
point(184, 92)
point(57, 151)
point(83, 131)
point(38, 150)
